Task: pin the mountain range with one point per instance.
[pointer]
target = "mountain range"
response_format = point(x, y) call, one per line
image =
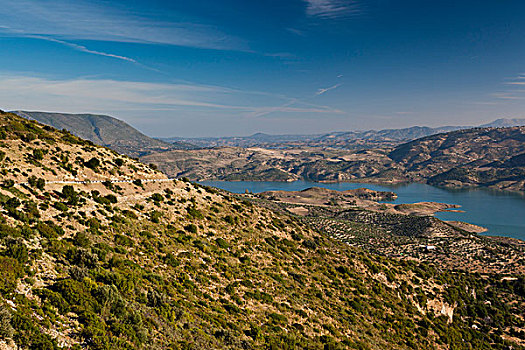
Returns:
point(121, 137)
point(476, 157)
point(345, 139)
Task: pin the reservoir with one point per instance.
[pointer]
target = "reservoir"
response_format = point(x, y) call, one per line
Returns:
point(502, 213)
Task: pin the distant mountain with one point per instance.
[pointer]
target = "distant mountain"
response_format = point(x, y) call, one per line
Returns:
point(345, 140)
point(105, 131)
point(258, 139)
point(491, 157)
point(337, 139)
point(476, 157)
point(505, 123)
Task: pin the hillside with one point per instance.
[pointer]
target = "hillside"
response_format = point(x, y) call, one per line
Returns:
point(105, 131)
point(480, 157)
point(474, 157)
point(120, 257)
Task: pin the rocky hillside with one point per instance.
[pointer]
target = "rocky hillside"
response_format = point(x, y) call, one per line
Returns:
point(104, 130)
point(474, 157)
point(482, 157)
point(99, 251)
point(260, 164)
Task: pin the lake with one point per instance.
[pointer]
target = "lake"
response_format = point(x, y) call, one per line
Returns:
point(502, 213)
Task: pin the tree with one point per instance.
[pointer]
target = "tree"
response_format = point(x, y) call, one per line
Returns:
point(11, 204)
point(32, 181)
point(69, 193)
point(40, 184)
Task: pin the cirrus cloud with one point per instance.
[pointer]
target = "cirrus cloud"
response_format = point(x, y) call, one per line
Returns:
point(330, 9)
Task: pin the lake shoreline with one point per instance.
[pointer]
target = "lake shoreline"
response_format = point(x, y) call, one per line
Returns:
point(496, 211)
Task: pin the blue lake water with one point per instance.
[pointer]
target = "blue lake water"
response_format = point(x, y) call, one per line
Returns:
point(502, 213)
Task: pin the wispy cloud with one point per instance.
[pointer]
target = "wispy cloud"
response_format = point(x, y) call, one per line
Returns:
point(325, 90)
point(103, 96)
point(509, 95)
point(83, 20)
point(514, 90)
point(330, 9)
point(82, 48)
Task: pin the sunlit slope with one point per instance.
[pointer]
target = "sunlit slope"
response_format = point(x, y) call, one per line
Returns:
point(169, 264)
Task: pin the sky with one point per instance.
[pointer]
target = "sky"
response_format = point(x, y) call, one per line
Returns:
point(236, 67)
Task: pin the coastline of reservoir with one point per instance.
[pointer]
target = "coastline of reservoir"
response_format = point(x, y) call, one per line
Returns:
point(501, 213)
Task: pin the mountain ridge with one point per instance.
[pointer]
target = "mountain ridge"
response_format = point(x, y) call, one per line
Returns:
point(103, 130)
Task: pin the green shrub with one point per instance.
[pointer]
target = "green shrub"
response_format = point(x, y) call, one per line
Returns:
point(192, 228)
point(10, 270)
point(221, 243)
point(17, 249)
point(93, 163)
point(38, 154)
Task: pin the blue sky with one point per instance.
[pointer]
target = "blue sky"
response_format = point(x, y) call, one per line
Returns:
point(236, 67)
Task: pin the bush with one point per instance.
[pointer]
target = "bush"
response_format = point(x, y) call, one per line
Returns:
point(49, 230)
point(93, 163)
point(38, 154)
point(60, 206)
point(123, 240)
point(17, 249)
point(40, 184)
point(69, 193)
point(221, 243)
point(194, 213)
point(192, 228)
point(157, 197)
point(10, 270)
point(8, 183)
point(155, 216)
point(81, 240)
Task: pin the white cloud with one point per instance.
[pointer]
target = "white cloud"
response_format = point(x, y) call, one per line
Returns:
point(332, 8)
point(105, 96)
point(325, 90)
point(82, 48)
point(514, 91)
point(84, 20)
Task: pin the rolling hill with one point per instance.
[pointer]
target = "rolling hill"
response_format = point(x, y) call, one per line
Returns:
point(105, 131)
point(478, 157)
